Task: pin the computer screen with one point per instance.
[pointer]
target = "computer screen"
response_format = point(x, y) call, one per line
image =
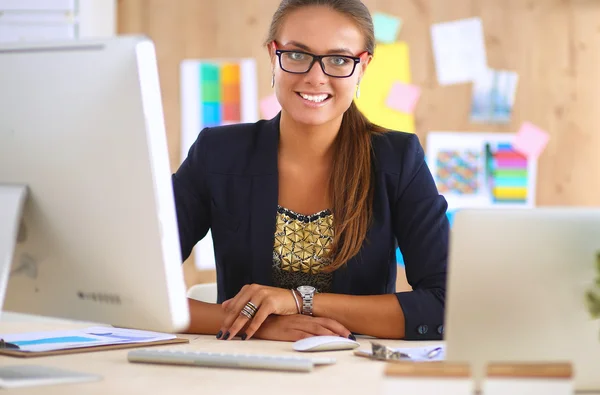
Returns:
point(88, 229)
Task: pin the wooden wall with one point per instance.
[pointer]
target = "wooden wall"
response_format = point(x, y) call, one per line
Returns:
point(554, 45)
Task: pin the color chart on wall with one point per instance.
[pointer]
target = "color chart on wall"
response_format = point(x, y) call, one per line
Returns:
point(507, 173)
point(481, 170)
point(215, 92)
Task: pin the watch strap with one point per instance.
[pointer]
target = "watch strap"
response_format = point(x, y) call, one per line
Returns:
point(307, 303)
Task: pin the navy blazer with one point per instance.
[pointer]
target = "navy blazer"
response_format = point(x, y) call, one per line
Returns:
point(229, 183)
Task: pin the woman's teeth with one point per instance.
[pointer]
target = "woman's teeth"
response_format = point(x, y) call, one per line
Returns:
point(314, 98)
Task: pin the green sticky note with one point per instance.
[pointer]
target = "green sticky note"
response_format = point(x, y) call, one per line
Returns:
point(386, 27)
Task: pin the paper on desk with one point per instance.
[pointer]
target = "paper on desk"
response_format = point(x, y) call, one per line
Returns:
point(459, 50)
point(419, 354)
point(88, 337)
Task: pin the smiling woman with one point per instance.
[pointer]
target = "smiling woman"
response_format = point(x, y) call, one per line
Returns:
point(307, 208)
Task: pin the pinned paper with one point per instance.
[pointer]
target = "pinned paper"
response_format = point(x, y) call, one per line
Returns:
point(269, 107)
point(386, 27)
point(481, 170)
point(531, 140)
point(403, 97)
point(459, 50)
point(390, 64)
point(494, 96)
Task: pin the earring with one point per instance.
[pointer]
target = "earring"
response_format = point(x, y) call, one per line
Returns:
point(272, 80)
point(357, 90)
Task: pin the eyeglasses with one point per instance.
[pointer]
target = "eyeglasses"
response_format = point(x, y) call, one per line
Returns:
point(298, 62)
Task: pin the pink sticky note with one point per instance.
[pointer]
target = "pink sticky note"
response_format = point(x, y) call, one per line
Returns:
point(269, 106)
point(531, 140)
point(403, 97)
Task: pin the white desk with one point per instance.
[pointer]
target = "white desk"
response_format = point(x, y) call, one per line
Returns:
point(350, 375)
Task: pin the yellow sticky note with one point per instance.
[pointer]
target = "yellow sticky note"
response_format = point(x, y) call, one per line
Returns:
point(390, 64)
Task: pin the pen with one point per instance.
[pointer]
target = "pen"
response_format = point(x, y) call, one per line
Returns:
point(434, 353)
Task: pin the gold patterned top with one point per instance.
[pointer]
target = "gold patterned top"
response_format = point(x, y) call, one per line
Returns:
point(302, 243)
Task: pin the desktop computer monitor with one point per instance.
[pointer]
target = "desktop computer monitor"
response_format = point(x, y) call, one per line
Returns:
point(517, 291)
point(88, 228)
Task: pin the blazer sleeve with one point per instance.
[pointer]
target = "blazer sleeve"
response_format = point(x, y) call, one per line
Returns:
point(421, 228)
point(192, 198)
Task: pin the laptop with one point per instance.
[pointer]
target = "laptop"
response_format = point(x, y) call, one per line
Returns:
point(517, 286)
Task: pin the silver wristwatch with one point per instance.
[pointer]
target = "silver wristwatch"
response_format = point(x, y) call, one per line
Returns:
point(307, 293)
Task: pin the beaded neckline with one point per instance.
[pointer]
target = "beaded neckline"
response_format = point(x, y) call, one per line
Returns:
point(302, 217)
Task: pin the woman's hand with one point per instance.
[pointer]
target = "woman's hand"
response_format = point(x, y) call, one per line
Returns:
point(266, 300)
point(295, 327)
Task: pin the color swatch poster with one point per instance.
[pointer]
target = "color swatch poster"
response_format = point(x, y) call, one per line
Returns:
point(215, 92)
point(481, 170)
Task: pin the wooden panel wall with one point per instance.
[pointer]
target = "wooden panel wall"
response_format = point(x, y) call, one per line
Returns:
point(554, 45)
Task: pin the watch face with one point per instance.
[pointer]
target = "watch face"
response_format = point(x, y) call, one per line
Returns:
point(306, 289)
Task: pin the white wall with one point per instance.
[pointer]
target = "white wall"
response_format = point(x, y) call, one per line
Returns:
point(97, 18)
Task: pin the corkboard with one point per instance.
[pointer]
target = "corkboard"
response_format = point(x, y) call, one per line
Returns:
point(554, 46)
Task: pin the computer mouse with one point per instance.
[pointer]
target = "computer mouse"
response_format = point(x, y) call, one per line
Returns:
point(325, 343)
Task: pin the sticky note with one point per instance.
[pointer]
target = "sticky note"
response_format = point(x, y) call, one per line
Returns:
point(269, 107)
point(531, 140)
point(390, 64)
point(403, 97)
point(386, 27)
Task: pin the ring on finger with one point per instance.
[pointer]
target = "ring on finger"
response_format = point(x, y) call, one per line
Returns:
point(252, 307)
point(246, 314)
point(249, 310)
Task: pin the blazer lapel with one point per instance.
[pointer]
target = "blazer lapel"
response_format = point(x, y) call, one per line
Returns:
point(264, 198)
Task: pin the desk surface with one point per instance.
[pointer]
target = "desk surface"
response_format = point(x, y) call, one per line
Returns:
point(350, 375)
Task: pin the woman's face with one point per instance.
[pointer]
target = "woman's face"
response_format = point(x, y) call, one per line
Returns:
point(315, 98)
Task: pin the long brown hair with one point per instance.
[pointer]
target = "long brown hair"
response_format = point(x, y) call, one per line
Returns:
point(350, 185)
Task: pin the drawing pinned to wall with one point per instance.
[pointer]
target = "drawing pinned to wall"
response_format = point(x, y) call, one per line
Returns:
point(215, 92)
point(459, 50)
point(494, 96)
point(481, 170)
point(457, 171)
point(390, 64)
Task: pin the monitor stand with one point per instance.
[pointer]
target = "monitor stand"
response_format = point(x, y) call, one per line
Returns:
point(12, 203)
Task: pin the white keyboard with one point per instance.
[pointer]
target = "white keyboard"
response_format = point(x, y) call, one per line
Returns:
point(227, 360)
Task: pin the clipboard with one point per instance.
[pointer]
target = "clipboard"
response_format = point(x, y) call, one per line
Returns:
point(32, 354)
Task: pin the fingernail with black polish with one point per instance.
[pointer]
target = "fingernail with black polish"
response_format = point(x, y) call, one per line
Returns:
point(244, 336)
point(352, 337)
point(219, 334)
point(226, 335)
